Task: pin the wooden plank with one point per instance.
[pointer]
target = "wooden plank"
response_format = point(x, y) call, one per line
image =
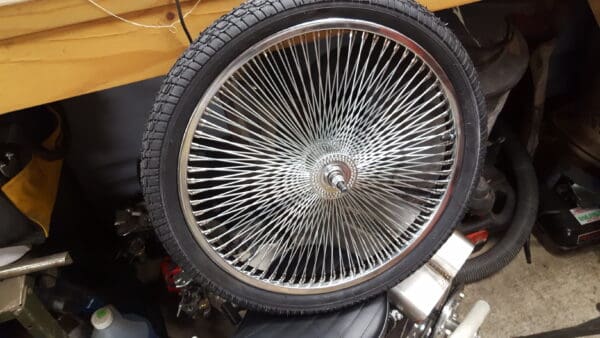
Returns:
point(30, 16)
point(11, 2)
point(66, 62)
point(69, 60)
point(33, 16)
point(436, 5)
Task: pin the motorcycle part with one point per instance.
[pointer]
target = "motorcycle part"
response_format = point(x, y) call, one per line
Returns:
point(469, 327)
point(444, 322)
point(435, 277)
point(482, 199)
point(439, 323)
point(368, 319)
point(303, 156)
point(447, 320)
point(131, 220)
point(525, 214)
point(193, 302)
point(496, 213)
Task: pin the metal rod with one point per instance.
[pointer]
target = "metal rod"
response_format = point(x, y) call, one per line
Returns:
point(35, 264)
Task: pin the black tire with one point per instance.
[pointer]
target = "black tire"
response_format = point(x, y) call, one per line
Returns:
point(218, 46)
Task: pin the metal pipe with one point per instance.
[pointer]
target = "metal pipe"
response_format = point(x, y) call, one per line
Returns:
point(28, 266)
point(469, 327)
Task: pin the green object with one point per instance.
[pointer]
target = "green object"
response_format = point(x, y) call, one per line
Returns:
point(585, 216)
point(101, 313)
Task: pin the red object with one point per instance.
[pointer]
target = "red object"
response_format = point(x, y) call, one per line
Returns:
point(169, 271)
point(478, 237)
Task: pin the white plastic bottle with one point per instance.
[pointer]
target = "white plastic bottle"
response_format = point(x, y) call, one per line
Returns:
point(109, 323)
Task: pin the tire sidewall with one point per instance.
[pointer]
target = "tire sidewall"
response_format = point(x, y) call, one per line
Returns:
point(185, 248)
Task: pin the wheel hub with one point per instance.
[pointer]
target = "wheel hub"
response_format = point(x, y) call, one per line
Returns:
point(334, 175)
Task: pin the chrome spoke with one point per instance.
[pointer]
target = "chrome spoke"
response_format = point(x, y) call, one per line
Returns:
point(319, 157)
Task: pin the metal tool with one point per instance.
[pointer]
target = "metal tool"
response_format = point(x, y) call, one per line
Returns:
point(27, 266)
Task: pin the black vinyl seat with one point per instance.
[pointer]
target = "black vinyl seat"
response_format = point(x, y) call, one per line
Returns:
point(367, 319)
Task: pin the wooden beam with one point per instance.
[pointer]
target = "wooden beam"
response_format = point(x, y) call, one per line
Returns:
point(437, 5)
point(56, 49)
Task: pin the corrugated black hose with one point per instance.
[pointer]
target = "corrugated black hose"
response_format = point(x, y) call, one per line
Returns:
point(524, 218)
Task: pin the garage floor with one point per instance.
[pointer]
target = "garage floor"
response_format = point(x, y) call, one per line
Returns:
point(554, 292)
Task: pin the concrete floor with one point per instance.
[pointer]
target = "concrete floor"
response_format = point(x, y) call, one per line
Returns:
point(552, 293)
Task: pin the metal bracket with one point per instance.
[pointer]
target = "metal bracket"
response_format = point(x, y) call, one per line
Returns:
point(419, 294)
point(17, 301)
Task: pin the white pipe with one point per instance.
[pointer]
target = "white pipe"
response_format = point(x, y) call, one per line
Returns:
point(470, 325)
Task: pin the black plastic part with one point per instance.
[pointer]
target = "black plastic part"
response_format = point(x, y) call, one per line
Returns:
point(231, 313)
point(500, 214)
point(369, 319)
point(482, 199)
point(562, 228)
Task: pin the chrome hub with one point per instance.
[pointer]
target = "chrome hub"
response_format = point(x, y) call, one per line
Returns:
point(334, 175)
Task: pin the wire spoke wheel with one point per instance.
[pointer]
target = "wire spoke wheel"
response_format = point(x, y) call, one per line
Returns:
point(319, 156)
point(306, 155)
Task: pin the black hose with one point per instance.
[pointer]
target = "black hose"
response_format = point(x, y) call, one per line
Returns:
point(518, 233)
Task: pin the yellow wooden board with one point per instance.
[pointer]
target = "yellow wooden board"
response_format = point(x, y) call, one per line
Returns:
point(56, 49)
point(437, 5)
point(41, 15)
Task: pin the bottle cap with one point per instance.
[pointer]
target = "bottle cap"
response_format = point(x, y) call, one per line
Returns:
point(102, 318)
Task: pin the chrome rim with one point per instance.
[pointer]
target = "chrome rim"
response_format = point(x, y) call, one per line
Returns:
point(320, 157)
